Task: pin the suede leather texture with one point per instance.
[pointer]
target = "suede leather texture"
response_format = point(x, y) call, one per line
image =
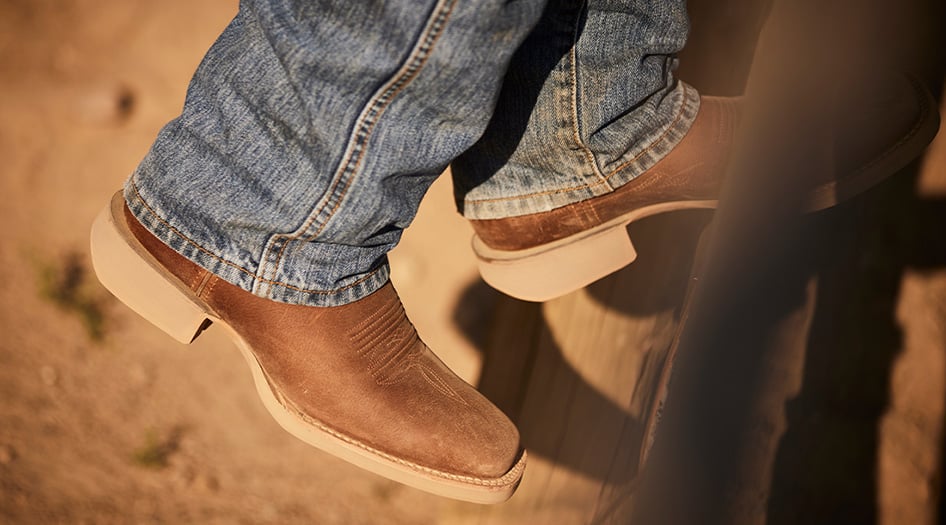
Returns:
point(361, 371)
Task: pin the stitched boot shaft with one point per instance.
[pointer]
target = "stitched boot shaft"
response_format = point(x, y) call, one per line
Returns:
point(361, 373)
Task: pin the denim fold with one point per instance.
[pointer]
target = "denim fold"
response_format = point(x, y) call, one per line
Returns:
point(312, 130)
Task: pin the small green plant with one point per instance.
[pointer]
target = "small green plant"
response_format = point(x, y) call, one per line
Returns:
point(66, 283)
point(156, 451)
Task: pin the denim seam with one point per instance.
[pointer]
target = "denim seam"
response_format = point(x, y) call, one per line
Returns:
point(235, 266)
point(354, 152)
point(575, 113)
point(663, 136)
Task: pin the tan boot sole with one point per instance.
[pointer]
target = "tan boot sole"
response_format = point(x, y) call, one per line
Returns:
point(554, 269)
point(551, 270)
point(136, 278)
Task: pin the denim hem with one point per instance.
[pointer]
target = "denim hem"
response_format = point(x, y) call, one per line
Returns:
point(237, 274)
point(623, 170)
point(632, 165)
point(277, 255)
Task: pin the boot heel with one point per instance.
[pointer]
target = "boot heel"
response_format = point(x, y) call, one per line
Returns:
point(132, 275)
point(544, 273)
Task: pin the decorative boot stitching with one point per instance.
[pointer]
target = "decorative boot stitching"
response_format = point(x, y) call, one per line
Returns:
point(385, 342)
point(391, 348)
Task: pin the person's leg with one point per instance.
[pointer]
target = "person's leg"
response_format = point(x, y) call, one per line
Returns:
point(309, 135)
point(589, 103)
point(592, 131)
point(312, 130)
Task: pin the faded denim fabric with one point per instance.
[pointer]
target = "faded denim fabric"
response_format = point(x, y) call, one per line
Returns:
point(312, 130)
point(589, 103)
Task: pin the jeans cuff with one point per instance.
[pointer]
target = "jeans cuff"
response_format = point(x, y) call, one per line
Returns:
point(625, 169)
point(239, 275)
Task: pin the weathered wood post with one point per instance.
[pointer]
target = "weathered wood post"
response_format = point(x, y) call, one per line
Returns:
point(576, 374)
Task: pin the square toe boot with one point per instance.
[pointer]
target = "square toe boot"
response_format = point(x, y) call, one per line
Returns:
point(355, 380)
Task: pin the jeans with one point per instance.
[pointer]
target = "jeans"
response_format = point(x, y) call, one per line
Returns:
point(312, 129)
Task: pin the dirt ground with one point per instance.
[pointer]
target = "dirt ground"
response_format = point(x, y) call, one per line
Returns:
point(103, 419)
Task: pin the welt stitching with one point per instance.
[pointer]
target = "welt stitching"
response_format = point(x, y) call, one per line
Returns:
point(362, 134)
point(503, 481)
point(216, 257)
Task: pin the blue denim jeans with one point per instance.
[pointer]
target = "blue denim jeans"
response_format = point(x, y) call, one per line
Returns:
point(311, 130)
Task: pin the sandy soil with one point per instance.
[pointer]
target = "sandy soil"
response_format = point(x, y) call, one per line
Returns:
point(103, 419)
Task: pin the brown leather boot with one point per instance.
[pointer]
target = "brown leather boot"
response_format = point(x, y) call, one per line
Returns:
point(353, 380)
point(545, 255)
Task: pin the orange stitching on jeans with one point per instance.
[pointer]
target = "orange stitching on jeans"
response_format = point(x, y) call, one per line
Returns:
point(216, 257)
point(576, 134)
point(429, 40)
point(659, 139)
point(538, 193)
point(608, 177)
